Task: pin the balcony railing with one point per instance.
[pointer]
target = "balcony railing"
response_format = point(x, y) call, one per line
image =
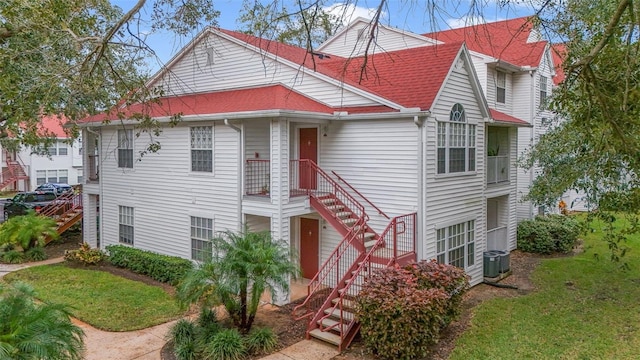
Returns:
point(93, 168)
point(497, 169)
point(497, 239)
point(257, 177)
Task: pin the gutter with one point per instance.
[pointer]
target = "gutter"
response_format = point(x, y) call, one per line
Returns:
point(240, 170)
point(262, 114)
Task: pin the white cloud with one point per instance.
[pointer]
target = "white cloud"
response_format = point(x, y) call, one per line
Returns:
point(464, 21)
point(349, 12)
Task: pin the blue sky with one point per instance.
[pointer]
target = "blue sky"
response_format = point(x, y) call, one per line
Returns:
point(410, 15)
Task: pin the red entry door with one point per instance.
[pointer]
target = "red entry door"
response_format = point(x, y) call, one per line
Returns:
point(309, 247)
point(308, 150)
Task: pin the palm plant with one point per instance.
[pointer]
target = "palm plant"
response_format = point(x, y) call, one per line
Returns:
point(31, 330)
point(28, 231)
point(243, 267)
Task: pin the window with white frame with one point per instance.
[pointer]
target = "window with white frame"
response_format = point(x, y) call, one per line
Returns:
point(41, 177)
point(80, 176)
point(201, 235)
point(52, 176)
point(63, 176)
point(125, 148)
point(543, 90)
point(455, 244)
point(202, 148)
point(59, 148)
point(125, 221)
point(501, 86)
point(456, 143)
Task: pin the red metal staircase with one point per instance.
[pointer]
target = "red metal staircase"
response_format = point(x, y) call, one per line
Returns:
point(332, 292)
point(66, 210)
point(13, 172)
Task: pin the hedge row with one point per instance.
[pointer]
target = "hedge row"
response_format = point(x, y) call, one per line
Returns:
point(548, 234)
point(167, 269)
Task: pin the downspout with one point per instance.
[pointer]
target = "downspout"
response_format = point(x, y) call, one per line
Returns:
point(421, 192)
point(240, 171)
point(531, 131)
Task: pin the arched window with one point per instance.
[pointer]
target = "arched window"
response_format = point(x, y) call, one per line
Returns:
point(456, 143)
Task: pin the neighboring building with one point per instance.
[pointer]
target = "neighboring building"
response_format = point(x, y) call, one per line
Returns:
point(411, 162)
point(25, 169)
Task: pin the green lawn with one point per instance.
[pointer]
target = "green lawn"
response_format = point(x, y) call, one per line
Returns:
point(585, 308)
point(99, 298)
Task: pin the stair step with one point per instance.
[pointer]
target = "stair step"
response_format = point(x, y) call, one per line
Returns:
point(333, 324)
point(346, 315)
point(349, 221)
point(346, 303)
point(335, 207)
point(369, 235)
point(326, 336)
point(369, 244)
point(328, 200)
point(344, 213)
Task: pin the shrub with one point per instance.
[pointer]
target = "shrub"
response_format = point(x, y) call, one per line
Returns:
point(35, 254)
point(186, 351)
point(403, 309)
point(261, 340)
point(548, 234)
point(225, 345)
point(453, 280)
point(168, 269)
point(183, 331)
point(13, 257)
point(28, 230)
point(85, 255)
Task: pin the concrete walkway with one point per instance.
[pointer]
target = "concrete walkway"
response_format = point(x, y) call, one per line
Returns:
point(146, 344)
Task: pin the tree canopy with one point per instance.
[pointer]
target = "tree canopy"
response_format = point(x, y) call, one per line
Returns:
point(76, 58)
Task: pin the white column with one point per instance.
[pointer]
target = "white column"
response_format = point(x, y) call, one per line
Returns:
point(89, 219)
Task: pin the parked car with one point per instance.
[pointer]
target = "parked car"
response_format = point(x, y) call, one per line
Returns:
point(57, 188)
point(25, 201)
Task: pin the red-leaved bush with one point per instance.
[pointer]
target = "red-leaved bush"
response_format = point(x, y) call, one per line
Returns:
point(403, 309)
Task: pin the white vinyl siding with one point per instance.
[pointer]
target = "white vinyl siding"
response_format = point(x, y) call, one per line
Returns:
point(448, 198)
point(183, 192)
point(125, 148)
point(202, 148)
point(353, 40)
point(379, 159)
point(201, 235)
point(238, 66)
point(125, 224)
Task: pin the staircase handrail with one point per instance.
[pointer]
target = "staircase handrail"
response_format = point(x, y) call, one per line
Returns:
point(365, 264)
point(66, 202)
point(328, 266)
point(354, 204)
point(360, 194)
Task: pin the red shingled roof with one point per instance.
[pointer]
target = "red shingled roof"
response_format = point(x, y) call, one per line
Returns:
point(410, 77)
point(272, 97)
point(505, 40)
point(52, 126)
point(506, 118)
point(559, 53)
